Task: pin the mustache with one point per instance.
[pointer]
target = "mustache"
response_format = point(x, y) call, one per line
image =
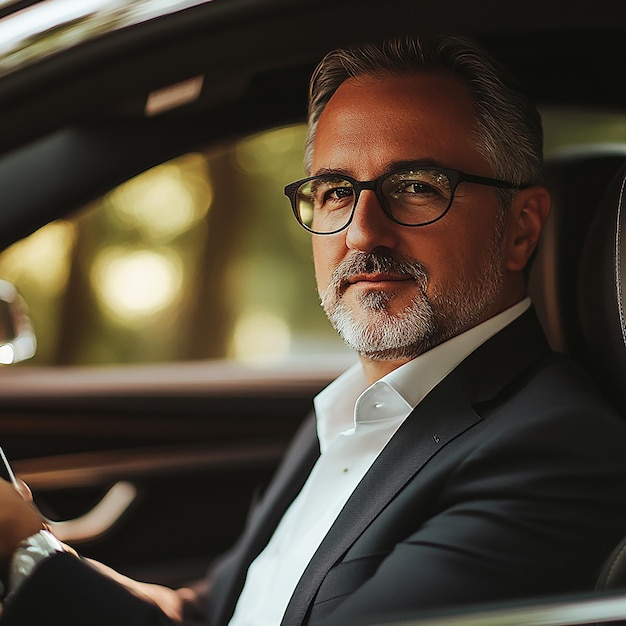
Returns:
point(376, 263)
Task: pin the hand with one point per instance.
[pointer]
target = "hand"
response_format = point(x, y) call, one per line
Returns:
point(18, 520)
point(170, 601)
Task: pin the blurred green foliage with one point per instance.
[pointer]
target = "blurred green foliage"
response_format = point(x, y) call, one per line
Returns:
point(197, 258)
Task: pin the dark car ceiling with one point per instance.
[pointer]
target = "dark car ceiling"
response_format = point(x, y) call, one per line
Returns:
point(73, 125)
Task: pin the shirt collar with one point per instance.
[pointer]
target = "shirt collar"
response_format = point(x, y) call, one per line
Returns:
point(433, 366)
point(337, 406)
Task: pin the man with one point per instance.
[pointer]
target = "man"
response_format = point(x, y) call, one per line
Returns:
point(461, 461)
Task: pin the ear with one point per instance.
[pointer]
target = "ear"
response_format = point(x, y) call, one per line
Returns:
point(524, 222)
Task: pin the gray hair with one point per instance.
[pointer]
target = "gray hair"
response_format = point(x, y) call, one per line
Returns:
point(508, 132)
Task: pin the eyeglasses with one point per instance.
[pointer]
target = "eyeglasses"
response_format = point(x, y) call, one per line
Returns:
point(416, 196)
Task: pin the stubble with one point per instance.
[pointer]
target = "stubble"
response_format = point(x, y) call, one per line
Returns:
point(372, 330)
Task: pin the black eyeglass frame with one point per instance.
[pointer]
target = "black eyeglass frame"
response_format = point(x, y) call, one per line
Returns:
point(455, 177)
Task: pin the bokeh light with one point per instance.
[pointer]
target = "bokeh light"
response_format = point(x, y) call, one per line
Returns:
point(132, 285)
point(261, 336)
point(167, 200)
point(271, 153)
point(42, 261)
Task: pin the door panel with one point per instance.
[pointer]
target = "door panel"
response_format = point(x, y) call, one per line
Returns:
point(197, 454)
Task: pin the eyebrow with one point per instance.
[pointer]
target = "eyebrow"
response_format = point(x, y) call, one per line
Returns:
point(389, 167)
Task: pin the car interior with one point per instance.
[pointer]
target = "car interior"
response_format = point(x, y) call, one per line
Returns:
point(79, 122)
point(576, 280)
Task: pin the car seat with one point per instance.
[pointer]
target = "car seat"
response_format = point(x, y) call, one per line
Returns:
point(576, 280)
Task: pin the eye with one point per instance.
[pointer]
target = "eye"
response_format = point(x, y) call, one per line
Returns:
point(417, 186)
point(331, 194)
point(338, 194)
point(414, 187)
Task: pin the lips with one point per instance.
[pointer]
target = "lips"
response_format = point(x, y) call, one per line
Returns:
point(377, 278)
point(375, 271)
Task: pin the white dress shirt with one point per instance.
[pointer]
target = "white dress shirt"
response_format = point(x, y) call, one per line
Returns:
point(354, 423)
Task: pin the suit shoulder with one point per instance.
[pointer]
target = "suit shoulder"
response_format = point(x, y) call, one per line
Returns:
point(554, 401)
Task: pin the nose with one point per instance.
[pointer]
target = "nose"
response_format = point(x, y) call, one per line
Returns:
point(370, 227)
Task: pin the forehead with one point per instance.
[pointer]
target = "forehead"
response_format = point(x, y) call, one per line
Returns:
point(372, 122)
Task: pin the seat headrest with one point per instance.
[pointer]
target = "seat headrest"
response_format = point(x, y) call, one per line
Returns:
point(565, 279)
point(601, 287)
point(577, 183)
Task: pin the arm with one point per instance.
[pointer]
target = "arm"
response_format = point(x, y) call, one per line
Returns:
point(526, 512)
point(66, 591)
point(63, 589)
point(18, 520)
point(172, 602)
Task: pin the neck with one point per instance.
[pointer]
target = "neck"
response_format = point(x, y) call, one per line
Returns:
point(376, 369)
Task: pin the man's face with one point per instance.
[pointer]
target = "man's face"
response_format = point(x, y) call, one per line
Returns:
point(394, 291)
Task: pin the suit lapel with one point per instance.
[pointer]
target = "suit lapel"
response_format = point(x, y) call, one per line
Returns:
point(440, 417)
point(446, 413)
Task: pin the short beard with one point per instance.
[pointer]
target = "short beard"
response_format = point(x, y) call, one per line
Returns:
point(375, 333)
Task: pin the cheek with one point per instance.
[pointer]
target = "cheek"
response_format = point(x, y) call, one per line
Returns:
point(326, 257)
point(451, 254)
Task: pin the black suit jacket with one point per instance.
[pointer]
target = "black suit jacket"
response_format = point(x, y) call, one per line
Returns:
point(509, 479)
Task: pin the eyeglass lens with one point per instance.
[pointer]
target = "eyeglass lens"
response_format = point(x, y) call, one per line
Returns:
point(413, 197)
